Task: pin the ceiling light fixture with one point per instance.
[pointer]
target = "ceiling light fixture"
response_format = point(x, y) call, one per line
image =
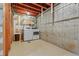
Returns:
point(28, 13)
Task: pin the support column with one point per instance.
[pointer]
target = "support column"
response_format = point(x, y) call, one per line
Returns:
point(7, 28)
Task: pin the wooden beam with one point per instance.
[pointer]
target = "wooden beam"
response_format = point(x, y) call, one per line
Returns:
point(7, 28)
point(39, 5)
point(24, 12)
point(30, 6)
point(22, 8)
point(48, 4)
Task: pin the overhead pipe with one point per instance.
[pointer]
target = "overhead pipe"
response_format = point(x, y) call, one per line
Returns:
point(52, 12)
point(41, 13)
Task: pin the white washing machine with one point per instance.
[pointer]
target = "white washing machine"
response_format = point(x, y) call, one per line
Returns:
point(28, 34)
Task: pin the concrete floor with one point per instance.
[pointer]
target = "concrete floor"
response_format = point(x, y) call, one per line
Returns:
point(37, 48)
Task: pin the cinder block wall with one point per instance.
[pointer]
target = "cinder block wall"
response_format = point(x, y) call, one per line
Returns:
point(65, 30)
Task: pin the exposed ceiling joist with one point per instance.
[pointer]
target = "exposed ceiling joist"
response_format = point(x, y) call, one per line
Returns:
point(39, 5)
point(48, 4)
point(32, 8)
point(24, 12)
point(29, 6)
point(25, 9)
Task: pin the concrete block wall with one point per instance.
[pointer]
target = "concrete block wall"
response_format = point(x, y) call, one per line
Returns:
point(65, 30)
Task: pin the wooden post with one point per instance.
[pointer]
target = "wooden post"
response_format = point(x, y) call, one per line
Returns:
point(7, 28)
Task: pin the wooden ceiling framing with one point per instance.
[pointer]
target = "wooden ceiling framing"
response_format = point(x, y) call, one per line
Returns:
point(33, 8)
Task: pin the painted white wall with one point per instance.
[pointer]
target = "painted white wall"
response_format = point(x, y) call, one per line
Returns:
point(64, 33)
point(22, 20)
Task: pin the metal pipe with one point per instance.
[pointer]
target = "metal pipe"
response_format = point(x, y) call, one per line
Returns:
point(41, 13)
point(52, 12)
